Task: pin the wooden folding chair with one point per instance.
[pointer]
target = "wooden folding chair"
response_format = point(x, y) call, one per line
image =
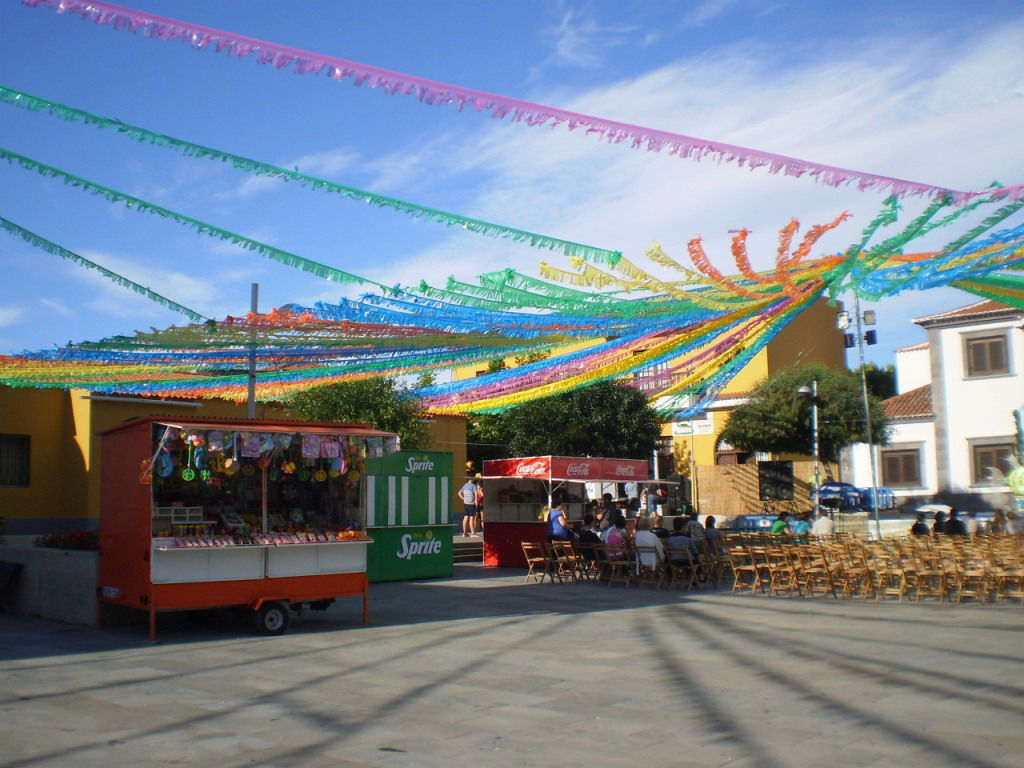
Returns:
point(929, 575)
point(890, 576)
point(565, 561)
point(814, 571)
point(746, 575)
point(619, 571)
point(650, 567)
point(680, 567)
point(536, 561)
point(783, 574)
point(588, 556)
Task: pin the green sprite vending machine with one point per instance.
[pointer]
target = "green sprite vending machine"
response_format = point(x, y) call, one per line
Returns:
point(409, 515)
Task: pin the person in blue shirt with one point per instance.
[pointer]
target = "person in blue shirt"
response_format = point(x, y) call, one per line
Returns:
point(802, 525)
point(557, 529)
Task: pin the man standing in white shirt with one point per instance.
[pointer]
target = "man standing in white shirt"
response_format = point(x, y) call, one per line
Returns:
point(823, 526)
point(468, 494)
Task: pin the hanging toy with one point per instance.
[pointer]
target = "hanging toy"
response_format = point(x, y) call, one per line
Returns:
point(231, 464)
point(199, 457)
point(188, 474)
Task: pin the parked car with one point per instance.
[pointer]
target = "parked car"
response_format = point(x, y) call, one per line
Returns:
point(886, 498)
point(838, 496)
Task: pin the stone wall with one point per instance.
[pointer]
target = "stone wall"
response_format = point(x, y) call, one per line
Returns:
point(53, 584)
point(729, 490)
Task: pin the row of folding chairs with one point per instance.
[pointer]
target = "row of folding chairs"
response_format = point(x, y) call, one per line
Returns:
point(900, 569)
point(573, 562)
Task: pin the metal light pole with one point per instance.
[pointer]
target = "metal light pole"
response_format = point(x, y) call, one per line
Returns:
point(812, 391)
point(867, 417)
point(250, 408)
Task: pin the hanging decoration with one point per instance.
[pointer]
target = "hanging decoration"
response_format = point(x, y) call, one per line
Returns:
point(680, 341)
point(45, 245)
point(11, 97)
point(431, 92)
point(142, 206)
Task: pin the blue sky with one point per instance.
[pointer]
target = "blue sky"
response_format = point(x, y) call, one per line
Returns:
point(932, 92)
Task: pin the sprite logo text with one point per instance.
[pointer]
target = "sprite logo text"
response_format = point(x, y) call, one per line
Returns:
point(424, 547)
point(418, 465)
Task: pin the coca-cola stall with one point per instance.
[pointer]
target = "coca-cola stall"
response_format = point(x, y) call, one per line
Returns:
point(517, 490)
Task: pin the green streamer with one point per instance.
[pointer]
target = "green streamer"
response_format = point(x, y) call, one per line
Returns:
point(514, 279)
point(52, 248)
point(200, 227)
point(1006, 289)
point(888, 215)
point(32, 103)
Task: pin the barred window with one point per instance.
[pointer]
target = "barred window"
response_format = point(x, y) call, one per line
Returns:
point(986, 356)
point(991, 456)
point(14, 453)
point(901, 469)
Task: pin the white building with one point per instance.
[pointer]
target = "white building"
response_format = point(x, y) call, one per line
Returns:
point(953, 417)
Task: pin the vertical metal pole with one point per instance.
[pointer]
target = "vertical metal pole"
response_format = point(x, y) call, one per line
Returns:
point(693, 471)
point(867, 418)
point(815, 448)
point(251, 401)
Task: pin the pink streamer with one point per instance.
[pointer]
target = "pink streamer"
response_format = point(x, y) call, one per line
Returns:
point(501, 107)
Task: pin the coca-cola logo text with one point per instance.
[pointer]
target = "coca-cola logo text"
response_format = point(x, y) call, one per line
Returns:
point(531, 468)
point(581, 469)
point(625, 471)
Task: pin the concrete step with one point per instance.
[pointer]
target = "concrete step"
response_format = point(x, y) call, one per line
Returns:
point(467, 550)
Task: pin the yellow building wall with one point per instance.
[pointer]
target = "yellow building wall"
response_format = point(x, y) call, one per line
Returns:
point(63, 426)
point(55, 462)
point(479, 369)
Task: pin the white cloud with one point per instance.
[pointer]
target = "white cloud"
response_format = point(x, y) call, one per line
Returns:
point(56, 307)
point(10, 315)
point(196, 293)
point(326, 164)
point(579, 40)
point(706, 11)
point(929, 111)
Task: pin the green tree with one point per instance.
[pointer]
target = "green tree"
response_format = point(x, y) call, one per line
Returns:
point(776, 419)
point(426, 379)
point(881, 381)
point(377, 401)
point(485, 438)
point(605, 419)
point(531, 357)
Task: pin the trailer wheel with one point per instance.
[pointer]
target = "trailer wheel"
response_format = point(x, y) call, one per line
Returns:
point(272, 618)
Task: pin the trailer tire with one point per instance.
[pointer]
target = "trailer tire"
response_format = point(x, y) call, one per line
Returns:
point(272, 618)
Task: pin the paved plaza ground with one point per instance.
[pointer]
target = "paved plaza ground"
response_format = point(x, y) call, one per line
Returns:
point(482, 670)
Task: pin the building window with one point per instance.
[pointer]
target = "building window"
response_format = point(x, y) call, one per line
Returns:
point(14, 451)
point(985, 458)
point(901, 469)
point(986, 356)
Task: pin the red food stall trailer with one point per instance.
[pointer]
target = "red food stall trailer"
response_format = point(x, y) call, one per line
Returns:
point(517, 490)
point(203, 513)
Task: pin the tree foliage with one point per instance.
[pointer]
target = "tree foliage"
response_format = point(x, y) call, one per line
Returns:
point(377, 401)
point(881, 381)
point(605, 419)
point(776, 419)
